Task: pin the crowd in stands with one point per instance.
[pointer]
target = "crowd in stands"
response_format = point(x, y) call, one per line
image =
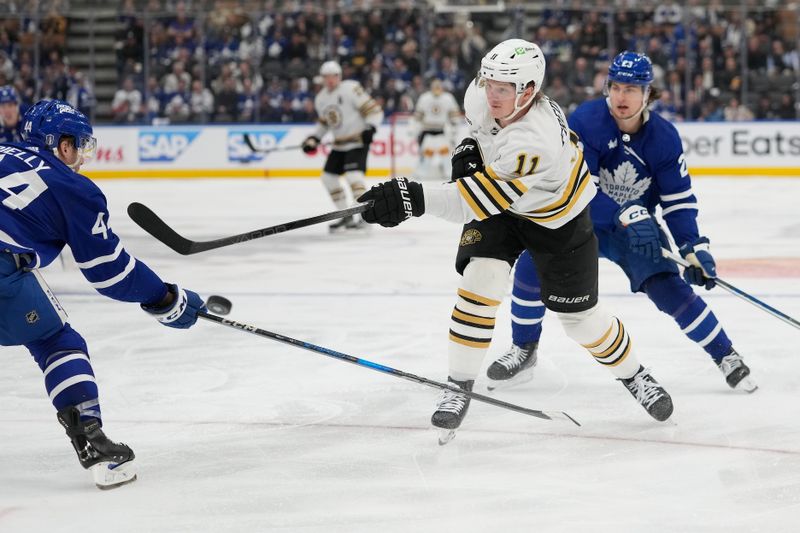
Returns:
point(183, 61)
point(33, 37)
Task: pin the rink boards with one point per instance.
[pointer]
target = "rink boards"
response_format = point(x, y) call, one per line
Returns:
point(712, 149)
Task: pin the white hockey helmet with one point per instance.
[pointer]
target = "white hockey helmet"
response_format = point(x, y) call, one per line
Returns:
point(330, 68)
point(515, 61)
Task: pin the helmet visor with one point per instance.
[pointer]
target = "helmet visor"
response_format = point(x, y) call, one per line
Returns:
point(87, 147)
point(498, 90)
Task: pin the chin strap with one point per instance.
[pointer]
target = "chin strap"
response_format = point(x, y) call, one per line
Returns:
point(517, 108)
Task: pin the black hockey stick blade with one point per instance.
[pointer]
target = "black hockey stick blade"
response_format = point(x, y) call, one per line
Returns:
point(152, 224)
point(544, 415)
point(249, 142)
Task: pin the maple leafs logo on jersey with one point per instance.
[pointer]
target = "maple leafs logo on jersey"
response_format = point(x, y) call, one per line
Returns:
point(623, 185)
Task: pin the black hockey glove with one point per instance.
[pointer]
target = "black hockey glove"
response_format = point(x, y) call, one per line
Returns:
point(393, 202)
point(367, 135)
point(310, 145)
point(466, 159)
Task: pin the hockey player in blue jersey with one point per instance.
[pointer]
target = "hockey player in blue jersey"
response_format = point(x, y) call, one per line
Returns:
point(637, 160)
point(10, 123)
point(46, 205)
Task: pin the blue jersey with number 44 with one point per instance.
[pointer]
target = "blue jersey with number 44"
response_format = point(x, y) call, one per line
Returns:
point(45, 205)
point(648, 166)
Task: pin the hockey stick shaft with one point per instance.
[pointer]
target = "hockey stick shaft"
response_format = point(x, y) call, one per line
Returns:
point(264, 151)
point(152, 224)
point(736, 291)
point(384, 369)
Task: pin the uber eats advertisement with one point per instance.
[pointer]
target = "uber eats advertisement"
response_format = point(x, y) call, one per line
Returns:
point(758, 149)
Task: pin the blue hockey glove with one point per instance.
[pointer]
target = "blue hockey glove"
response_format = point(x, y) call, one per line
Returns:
point(182, 312)
point(704, 268)
point(393, 202)
point(640, 229)
point(466, 159)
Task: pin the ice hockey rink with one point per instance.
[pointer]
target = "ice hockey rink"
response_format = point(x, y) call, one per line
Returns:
point(234, 432)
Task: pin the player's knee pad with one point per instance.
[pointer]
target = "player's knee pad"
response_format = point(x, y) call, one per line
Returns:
point(356, 180)
point(605, 337)
point(332, 182)
point(65, 340)
point(585, 327)
point(486, 278)
point(669, 292)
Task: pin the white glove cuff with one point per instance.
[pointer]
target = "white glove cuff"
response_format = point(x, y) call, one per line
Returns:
point(633, 214)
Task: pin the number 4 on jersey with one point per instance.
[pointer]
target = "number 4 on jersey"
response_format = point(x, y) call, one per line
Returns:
point(19, 199)
point(100, 227)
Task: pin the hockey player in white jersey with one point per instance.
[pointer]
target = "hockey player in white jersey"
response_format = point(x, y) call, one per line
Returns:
point(346, 110)
point(437, 117)
point(519, 183)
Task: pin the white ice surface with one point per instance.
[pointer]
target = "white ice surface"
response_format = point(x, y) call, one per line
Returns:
point(238, 433)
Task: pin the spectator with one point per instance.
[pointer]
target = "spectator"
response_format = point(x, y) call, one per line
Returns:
point(226, 102)
point(127, 104)
point(735, 111)
point(201, 102)
point(177, 108)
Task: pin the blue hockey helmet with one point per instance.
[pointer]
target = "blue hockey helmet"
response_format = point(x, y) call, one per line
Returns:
point(631, 67)
point(48, 121)
point(8, 94)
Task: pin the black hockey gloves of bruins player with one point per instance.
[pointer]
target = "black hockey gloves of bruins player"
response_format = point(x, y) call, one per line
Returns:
point(466, 159)
point(393, 202)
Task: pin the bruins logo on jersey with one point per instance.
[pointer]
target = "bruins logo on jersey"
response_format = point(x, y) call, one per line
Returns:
point(332, 116)
point(471, 236)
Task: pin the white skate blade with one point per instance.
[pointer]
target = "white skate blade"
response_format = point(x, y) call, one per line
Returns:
point(108, 475)
point(446, 435)
point(520, 379)
point(747, 384)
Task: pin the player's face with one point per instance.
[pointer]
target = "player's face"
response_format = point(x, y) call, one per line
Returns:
point(9, 112)
point(501, 96)
point(331, 81)
point(70, 155)
point(626, 100)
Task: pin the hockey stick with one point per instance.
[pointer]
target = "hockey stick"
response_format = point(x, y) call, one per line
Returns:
point(545, 415)
point(735, 291)
point(264, 151)
point(152, 224)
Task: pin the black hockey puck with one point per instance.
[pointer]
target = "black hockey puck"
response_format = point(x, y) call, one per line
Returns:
point(218, 305)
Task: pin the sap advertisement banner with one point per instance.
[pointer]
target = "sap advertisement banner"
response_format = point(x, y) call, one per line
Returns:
point(757, 149)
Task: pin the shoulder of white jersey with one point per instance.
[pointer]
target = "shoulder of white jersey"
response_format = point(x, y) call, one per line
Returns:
point(350, 85)
point(475, 105)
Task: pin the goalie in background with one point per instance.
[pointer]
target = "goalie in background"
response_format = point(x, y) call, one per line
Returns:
point(437, 117)
point(345, 109)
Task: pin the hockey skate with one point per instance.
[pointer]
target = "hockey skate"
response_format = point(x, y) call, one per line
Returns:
point(341, 224)
point(110, 463)
point(652, 396)
point(514, 367)
point(737, 374)
point(357, 223)
point(451, 410)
